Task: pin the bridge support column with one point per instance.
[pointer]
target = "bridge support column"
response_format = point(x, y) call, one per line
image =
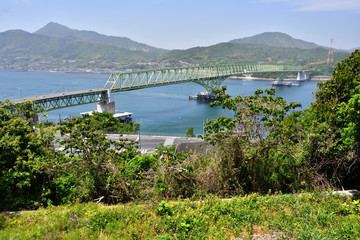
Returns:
point(302, 76)
point(107, 104)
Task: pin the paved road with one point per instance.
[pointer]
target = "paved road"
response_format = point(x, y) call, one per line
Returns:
point(147, 143)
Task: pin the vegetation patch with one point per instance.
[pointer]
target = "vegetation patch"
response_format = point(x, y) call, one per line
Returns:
point(266, 147)
point(281, 216)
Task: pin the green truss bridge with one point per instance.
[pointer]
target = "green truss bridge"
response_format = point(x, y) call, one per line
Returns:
point(210, 77)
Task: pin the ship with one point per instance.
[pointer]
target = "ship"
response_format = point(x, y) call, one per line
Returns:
point(204, 96)
point(284, 84)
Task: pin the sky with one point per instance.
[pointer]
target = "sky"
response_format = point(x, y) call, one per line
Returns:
point(183, 24)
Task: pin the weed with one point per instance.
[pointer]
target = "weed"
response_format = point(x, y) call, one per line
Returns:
point(305, 216)
point(163, 209)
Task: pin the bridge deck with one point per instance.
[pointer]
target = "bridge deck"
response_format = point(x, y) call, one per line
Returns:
point(210, 77)
point(59, 95)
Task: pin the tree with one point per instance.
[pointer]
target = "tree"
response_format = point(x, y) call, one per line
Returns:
point(190, 132)
point(256, 156)
point(23, 184)
point(95, 166)
point(108, 123)
point(332, 126)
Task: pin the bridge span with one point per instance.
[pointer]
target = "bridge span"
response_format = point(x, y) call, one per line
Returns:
point(210, 77)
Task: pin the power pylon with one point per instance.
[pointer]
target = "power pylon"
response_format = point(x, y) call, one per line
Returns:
point(330, 59)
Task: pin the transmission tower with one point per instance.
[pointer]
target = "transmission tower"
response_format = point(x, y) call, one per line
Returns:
point(330, 59)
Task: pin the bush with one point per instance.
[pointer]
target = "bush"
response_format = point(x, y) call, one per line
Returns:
point(23, 183)
point(331, 124)
point(254, 153)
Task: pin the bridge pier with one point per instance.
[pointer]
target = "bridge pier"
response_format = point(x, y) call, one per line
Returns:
point(107, 104)
point(302, 76)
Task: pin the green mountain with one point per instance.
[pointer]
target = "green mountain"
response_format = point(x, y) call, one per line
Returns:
point(60, 31)
point(233, 53)
point(276, 39)
point(57, 47)
point(18, 44)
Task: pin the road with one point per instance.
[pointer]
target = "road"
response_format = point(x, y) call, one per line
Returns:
point(147, 143)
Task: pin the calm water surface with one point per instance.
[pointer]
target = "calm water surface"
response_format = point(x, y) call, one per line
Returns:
point(164, 110)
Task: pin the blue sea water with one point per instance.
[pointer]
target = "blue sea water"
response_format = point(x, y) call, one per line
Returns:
point(164, 110)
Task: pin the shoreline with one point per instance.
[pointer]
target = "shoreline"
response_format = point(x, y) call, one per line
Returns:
point(315, 78)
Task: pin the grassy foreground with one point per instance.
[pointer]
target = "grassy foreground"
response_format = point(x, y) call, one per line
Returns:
point(304, 216)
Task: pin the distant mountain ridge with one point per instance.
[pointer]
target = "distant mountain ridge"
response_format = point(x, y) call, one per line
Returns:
point(276, 39)
point(59, 31)
point(234, 53)
point(56, 47)
point(21, 44)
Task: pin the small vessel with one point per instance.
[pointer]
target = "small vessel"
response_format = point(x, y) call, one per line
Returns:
point(204, 96)
point(284, 84)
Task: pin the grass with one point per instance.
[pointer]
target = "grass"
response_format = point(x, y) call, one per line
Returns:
point(304, 216)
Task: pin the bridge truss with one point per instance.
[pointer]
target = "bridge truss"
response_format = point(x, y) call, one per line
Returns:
point(210, 77)
point(71, 99)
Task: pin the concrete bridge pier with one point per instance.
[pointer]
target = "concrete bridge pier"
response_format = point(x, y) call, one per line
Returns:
point(302, 76)
point(106, 103)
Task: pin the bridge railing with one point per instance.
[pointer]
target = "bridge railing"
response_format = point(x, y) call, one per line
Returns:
point(157, 77)
point(139, 79)
point(210, 77)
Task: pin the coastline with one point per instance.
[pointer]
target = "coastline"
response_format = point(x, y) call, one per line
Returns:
point(253, 78)
point(315, 78)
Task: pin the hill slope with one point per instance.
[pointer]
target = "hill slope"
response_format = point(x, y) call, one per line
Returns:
point(57, 47)
point(59, 31)
point(232, 53)
point(18, 44)
point(276, 39)
point(249, 53)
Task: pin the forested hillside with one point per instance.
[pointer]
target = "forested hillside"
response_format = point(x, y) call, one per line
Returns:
point(233, 53)
point(276, 39)
point(61, 31)
point(58, 48)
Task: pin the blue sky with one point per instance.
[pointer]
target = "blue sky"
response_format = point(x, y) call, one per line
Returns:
point(181, 24)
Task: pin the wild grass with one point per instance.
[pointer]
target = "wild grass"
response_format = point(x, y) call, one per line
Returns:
point(295, 216)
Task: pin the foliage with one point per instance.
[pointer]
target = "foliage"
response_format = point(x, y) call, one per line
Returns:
point(173, 180)
point(91, 166)
point(60, 31)
point(255, 154)
point(190, 132)
point(276, 39)
point(106, 122)
point(332, 127)
point(17, 43)
point(265, 147)
point(55, 47)
point(295, 216)
point(22, 181)
point(139, 164)
point(322, 68)
point(233, 53)
point(95, 165)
